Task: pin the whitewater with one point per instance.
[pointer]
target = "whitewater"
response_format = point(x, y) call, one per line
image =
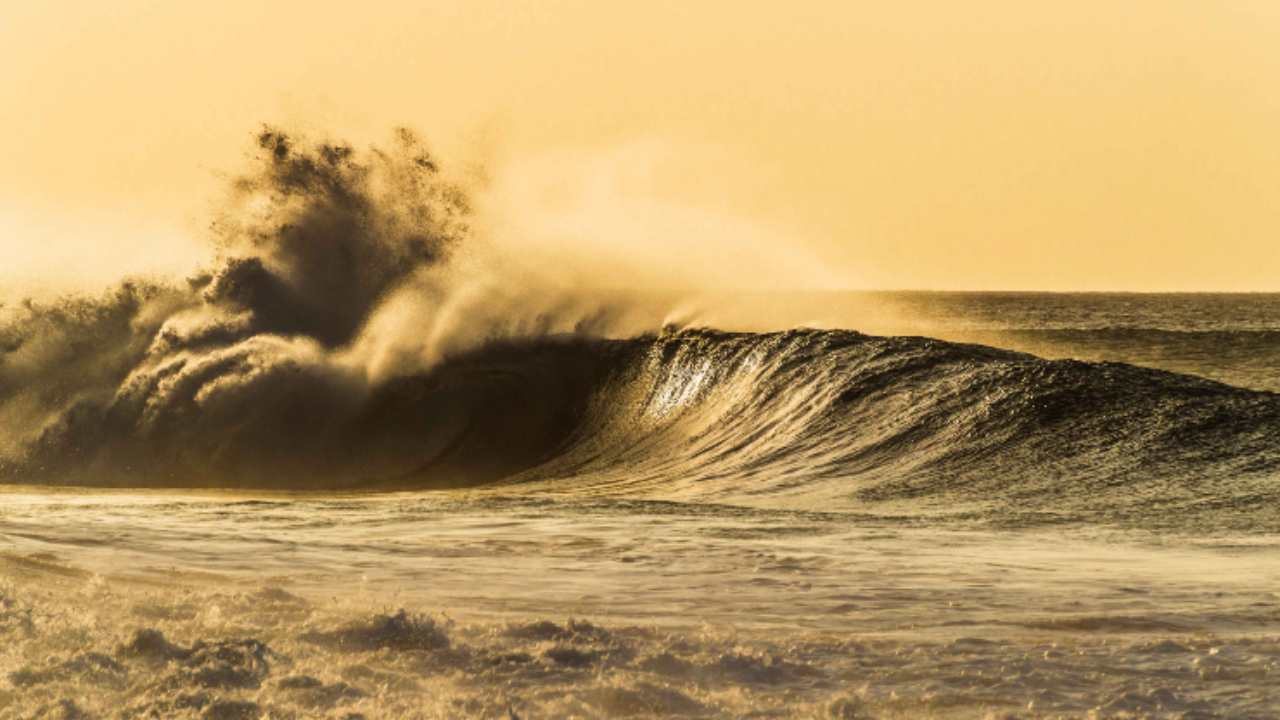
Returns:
point(334, 475)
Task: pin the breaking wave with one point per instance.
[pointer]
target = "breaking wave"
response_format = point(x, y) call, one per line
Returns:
point(823, 418)
point(317, 354)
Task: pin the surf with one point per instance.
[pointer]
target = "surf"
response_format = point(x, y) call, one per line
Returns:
point(343, 340)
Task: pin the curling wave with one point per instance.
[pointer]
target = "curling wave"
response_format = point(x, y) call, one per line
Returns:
point(311, 357)
point(839, 420)
point(817, 419)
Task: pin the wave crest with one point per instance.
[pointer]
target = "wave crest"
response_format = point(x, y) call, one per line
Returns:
point(312, 356)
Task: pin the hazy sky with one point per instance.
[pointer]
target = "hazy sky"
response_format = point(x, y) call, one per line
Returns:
point(986, 145)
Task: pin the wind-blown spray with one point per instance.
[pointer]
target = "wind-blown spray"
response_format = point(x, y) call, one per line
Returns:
point(346, 338)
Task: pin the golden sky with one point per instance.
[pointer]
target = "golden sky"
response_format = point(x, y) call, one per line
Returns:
point(983, 145)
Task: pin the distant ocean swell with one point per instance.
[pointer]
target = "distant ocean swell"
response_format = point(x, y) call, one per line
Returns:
point(1245, 357)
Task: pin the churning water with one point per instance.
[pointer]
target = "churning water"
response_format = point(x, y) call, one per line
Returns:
point(308, 483)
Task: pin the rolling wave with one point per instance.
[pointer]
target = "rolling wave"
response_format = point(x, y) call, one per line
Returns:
point(839, 420)
point(825, 420)
point(321, 353)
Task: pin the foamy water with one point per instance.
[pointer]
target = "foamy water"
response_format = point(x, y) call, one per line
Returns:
point(488, 605)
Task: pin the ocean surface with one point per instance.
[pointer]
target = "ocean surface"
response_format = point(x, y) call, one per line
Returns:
point(936, 505)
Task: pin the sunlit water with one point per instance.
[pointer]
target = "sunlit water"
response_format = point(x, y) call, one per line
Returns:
point(586, 597)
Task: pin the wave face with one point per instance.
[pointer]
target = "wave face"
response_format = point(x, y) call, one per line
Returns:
point(824, 420)
point(839, 420)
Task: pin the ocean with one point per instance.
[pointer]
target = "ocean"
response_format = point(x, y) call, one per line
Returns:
point(947, 505)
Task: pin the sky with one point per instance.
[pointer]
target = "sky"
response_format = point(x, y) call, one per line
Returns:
point(979, 145)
